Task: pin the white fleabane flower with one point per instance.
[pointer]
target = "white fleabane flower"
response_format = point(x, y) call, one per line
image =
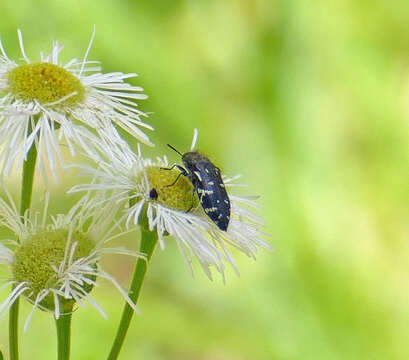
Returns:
point(46, 102)
point(54, 260)
point(176, 210)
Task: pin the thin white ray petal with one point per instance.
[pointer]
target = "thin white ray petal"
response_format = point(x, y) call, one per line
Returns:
point(14, 295)
point(97, 306)
point(194, 140)
point(40, 297)
point(88, 50)
point(21, 42)
point(121, 290)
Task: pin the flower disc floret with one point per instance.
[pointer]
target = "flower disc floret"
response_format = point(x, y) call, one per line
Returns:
point(177, 195)
point(46, 83)
point(37, 259)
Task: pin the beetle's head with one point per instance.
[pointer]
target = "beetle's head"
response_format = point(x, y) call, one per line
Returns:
point(191, 157)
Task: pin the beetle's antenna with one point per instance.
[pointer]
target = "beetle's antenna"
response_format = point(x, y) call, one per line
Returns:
point(175, 150)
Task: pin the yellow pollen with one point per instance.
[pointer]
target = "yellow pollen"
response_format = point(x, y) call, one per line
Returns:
point(180, 196)
point(46, 83)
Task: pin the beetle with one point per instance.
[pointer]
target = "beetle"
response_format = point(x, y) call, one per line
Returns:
point(208, 184)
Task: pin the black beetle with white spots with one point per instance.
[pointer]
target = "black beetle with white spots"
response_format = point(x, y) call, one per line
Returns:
point(208, 184)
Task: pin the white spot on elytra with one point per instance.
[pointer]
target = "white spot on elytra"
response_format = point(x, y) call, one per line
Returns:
point(204, 192)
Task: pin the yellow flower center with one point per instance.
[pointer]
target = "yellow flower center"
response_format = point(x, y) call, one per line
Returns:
point(36, 260)
point(179, 196)
point(46, 83)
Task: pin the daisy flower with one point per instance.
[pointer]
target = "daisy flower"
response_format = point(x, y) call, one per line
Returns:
point(45, 102)
point(53, 261)
point(176, 210)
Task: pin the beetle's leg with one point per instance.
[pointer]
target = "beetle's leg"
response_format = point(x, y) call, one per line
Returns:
point(177, 178)
point(182, 172)
point(193, 198)
point(181, 168)
point(195, 185)
point(171, 168)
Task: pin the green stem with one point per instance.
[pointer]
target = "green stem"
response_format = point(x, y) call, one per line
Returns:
point(63, 324)
point(28, 176)
point(26, 192)
point(148, 243)
point(13, 330)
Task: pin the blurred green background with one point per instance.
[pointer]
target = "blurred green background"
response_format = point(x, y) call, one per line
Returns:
point(309, 100)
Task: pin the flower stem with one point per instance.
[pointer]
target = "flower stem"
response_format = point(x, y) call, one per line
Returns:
point(148, 243)
point(63, 324)
point(26, 192)
point(28, 174)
